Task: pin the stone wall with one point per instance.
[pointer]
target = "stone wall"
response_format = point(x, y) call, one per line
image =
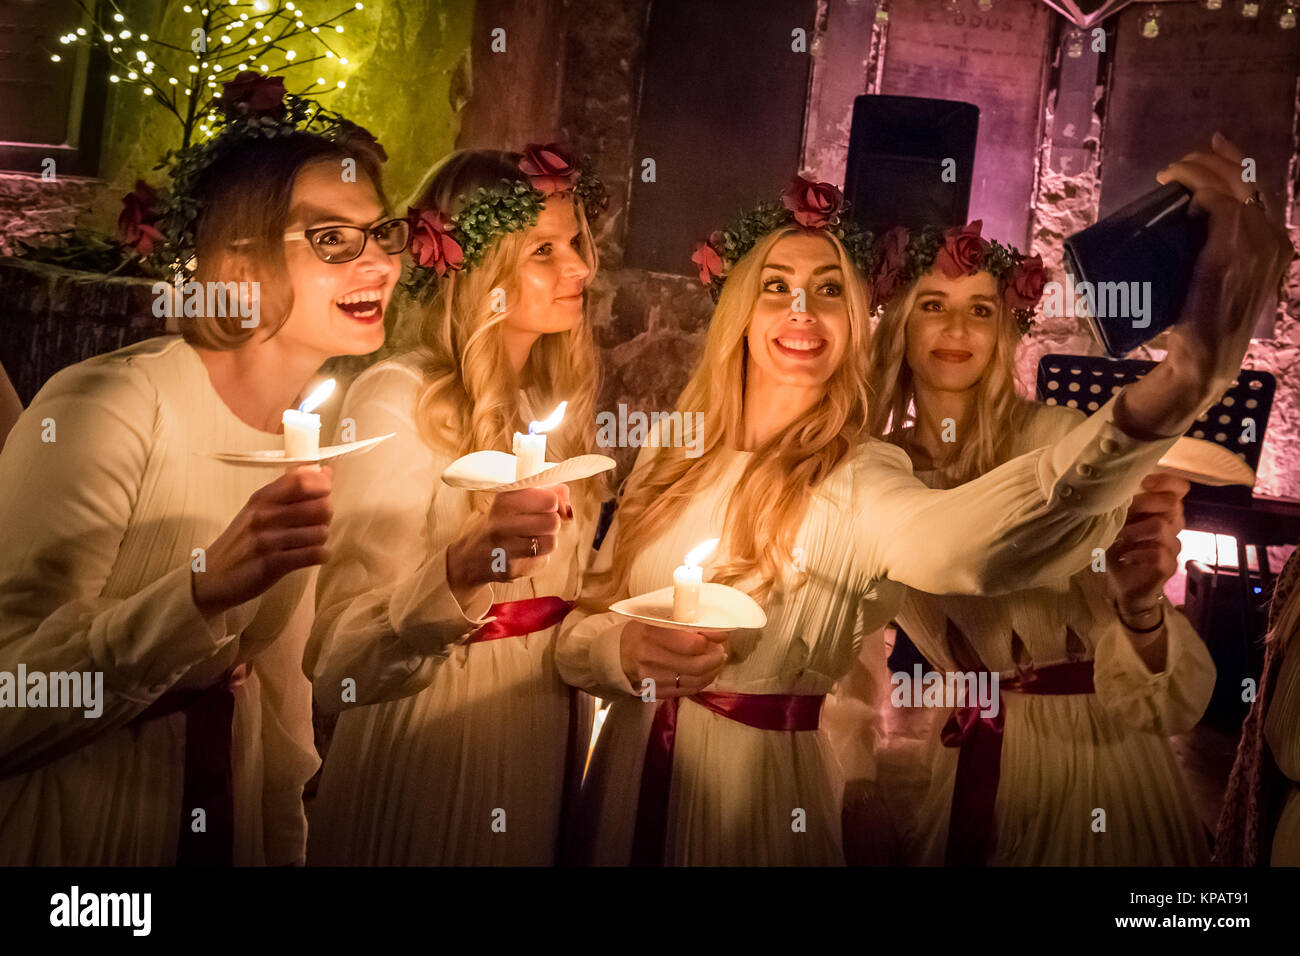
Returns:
point(649, 326)
point(32, 210)
point(423, 78)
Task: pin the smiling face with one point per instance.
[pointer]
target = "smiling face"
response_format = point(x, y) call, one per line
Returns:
point(798, 348)
point(952, 330)
point(338, 308)
point(552, 274)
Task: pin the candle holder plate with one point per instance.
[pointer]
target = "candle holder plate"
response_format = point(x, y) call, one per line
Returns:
point(495, 471)
point(274, 458)
point(1206, 463)
point(722, 608)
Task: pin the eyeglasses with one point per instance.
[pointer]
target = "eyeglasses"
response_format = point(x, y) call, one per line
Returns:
point(336, 244)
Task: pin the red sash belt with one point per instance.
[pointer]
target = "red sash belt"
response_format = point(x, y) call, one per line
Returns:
point(781, 712)
point(516, 618)
point(209, 778)
point(979, 762)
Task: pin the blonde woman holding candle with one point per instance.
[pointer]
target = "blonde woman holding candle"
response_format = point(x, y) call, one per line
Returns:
point(1096, 669)
point(436, 614)
point(116, 568)
point(819, 523)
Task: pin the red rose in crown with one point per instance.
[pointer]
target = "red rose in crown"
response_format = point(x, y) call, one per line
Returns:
point(252, 94)
point(135, 225)
point(962, 250)
point(431, 243)
point(549, 168)
point(706, 256)
point(1025, 286)
point(892, 263)
point(814, 205)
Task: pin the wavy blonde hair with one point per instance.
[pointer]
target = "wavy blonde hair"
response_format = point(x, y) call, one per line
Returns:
point(998, 414)
point(471, 398)
point(771, 498)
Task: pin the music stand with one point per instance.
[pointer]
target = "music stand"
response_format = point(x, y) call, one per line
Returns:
point(1236, 422)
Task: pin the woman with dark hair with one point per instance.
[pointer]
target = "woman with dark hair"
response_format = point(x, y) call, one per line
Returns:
point(169, 587)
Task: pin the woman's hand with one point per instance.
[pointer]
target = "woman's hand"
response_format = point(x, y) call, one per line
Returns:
point(679, 662)
point(1236, 273)
point(1145, 553)
point(283, 527)
point(514, 540)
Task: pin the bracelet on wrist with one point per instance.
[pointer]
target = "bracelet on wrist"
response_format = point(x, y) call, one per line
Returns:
point(1159, 605)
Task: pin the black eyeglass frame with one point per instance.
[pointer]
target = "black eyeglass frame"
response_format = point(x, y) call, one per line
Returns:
point(367, 232)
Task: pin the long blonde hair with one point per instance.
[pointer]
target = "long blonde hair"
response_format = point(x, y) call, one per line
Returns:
point(772, 495)
point(471, 398)
point(998, 414)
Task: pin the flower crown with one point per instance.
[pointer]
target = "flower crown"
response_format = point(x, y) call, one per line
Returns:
point(806, 203)
point(904, 256)
point(441, 244)
point(161, 228)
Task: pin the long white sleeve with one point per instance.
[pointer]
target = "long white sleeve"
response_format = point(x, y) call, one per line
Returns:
point(851, 713)
point(588, 646)
point(385, 614)
point(65, 505)
point(1028, 522)
point(1167, 702)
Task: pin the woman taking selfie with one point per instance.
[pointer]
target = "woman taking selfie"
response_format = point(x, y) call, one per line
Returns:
point(437, 609)
point(817, 522)
point(113, 507)
point(1096, 670)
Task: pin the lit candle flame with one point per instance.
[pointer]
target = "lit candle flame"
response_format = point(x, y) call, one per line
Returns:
point(700, 552)
point(322, 391)
point(549, 422)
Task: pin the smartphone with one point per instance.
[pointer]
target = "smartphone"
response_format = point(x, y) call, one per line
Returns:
point(1130, 272)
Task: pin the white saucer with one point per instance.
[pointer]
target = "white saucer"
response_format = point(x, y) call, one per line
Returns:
point(722, 608)
point(1206, 463)
point(495, 471)
point(275, 457)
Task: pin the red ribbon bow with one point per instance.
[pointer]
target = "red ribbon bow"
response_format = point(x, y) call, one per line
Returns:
point(516, 618)
point(972, 822)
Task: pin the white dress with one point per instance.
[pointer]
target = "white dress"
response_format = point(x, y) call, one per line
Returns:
point(453, 753)
point(1066, 756)
point(746, 796)
point(99, 527)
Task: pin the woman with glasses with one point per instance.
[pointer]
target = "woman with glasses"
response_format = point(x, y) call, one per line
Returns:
point(153, 600)
point(437, 609)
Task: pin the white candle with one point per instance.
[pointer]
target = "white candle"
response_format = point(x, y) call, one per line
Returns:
point(530, 449)
point(301, 427)
point(687, 580)
point(530, 455)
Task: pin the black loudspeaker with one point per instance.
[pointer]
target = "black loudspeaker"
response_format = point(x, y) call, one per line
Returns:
point(897, 149)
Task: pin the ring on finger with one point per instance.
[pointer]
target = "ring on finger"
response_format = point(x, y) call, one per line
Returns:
point(677, 682)
point(533, 547)
point(1256, 199)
